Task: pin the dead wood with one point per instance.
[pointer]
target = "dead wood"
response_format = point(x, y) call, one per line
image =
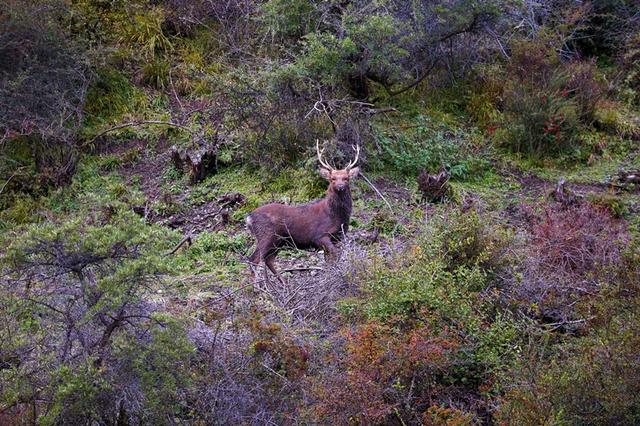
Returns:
point(564, 195)
point(434, 188)
point(628, 180)
point(186, 240)
point(198, 162)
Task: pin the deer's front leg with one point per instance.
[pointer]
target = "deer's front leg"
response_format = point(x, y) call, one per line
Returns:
point(330, 250)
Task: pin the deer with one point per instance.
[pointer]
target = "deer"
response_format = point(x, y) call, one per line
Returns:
point(315, 225)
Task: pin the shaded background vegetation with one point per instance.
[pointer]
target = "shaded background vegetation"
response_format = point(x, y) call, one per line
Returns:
point(127, 125)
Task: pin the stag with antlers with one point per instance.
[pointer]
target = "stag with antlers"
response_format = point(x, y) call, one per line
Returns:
point(318, 224)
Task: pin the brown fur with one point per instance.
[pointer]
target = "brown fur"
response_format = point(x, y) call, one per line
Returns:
point(318, 224)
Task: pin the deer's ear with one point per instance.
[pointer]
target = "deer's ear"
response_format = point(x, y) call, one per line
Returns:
point(354, 172)
point(325, 173)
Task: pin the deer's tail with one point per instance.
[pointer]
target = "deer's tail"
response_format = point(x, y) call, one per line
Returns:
point(249, 222)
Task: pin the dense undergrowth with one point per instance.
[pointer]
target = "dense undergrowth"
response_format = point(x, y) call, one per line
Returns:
point(514, 300)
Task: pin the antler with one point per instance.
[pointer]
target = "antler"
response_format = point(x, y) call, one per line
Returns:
point(322, 163)
point(356, 148)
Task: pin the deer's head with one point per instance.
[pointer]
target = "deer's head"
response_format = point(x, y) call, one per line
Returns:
point(338, 178)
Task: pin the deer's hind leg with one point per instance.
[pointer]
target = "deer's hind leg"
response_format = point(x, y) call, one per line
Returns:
point(269, 262)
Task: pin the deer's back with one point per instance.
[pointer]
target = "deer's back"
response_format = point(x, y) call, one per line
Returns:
point(301, 224)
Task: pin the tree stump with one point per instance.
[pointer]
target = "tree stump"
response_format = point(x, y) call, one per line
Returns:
point(198, 162)
point(434, 188)
point(564, 195)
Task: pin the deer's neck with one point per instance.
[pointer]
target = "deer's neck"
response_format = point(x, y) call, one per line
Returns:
point(339, 203)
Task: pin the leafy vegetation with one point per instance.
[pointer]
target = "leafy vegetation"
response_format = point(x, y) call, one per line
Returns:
point(125, 293)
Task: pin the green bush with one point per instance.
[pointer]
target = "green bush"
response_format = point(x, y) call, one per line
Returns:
point(631, 61)
point(156, 73)
point(442, 282)
point(593, 379)
point(617, 119)
point(288, 18)
point(612, 203)
point(88, 323)
point(546, 103)
point(111, 96)
point(453, 258)
point(429, 145)
point(539, 121)
point(592, 376)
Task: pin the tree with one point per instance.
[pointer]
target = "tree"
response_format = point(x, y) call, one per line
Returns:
point(83, 338)
point(393, 43)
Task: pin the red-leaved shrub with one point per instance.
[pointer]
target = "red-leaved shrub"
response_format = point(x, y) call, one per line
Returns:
point(569, 253)
point(382, 374)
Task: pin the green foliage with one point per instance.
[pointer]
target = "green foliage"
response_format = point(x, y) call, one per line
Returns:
point(537, 104)
point(612, 203)
point(428, 145)
point(384, 221)
point(22, 211)
point(96, 274)
point(44, 76)
point(286, 186)
point(631, 58)
point(327, 58)
point(216, 253)
point(143, 33)
point(542, 118)
point(288, 18)
point(76, 392)
point(156, 73)
point(591, 379)
point(451, 261)
point(438, 282)
point(161, 366)
point(98, 325)
point(617, 119)
point(111, 96)
point(330, 59)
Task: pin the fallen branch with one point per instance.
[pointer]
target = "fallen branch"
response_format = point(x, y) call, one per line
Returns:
point(377, 192)
point(138, 123)
point(557, 325)
point(186, 239)
point(310, 268)
point(9, 180)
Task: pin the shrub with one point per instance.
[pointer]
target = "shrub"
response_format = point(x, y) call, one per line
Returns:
point(110, 97)
point(81, 323)
point(288, 18)
point(541, 118)
point(143, 32)
point(156, 73)
point(546, 102)
point(592, 379)
point(382, 376)
point(610, 202)
point(631, 63)
point(584, 87)
point(44, 77)
point(615, 118)
point(441, 281)
point(437, 278)
point(569, 254)
point(429, 146)
point(438, 415)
